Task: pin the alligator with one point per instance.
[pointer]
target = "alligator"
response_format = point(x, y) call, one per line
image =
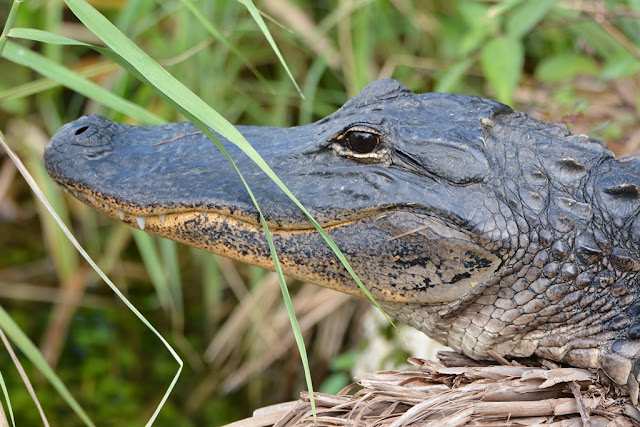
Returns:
point(490, 231)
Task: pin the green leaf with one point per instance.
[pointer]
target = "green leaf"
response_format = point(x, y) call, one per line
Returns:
point(501, 59)
point(564, 67)
point(471, 39)
point(501, 8)
point(35, 86)
point(622, 65)
point(474, 14)
point(526, 16)
point(44, 37)
point(70, 79)
point(448, 81)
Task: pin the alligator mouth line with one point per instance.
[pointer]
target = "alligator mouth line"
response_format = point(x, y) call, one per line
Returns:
point(168, 217)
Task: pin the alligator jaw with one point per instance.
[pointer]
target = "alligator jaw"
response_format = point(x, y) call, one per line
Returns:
point(305, 256)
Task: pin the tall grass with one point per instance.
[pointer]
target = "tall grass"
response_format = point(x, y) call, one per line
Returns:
point(545, 57)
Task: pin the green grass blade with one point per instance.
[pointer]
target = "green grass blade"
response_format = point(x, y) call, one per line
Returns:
point(32, 350)
point(263, 27)
point(13, 12)
point(151, 261)
point(25, 345)
point(5, 392)
point(222, 39)
point(40, 85)
point(292, 318)
point(169, 256)
point(526, 16)
point(343, 11)
point(283, 286)
point(68, 78)
point(211, 282)
point(450, 78)
point(310, 88)
point(44, 37)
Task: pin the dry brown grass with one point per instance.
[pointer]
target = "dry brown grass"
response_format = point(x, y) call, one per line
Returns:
point(453, 393)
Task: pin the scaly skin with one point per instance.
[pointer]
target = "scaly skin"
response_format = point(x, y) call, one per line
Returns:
point(482, 227)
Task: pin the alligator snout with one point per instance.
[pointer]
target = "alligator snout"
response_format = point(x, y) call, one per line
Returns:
point(89, 137)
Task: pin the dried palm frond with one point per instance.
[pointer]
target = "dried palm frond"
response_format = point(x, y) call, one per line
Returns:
point(459, 392)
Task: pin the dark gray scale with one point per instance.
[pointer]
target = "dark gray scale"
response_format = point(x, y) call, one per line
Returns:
point(619, 288)
point(580, 211)
point(583, 280)
point(569, 171)
point(626, 191)
point(559, 250)
point(551, 270)
point(587, 249)
point(568, 271)
point(619, 191)
point(625, 260)
point(602, 239)
point(545, 238)
point(560, 221)
point(634, 332)
point(604, 279)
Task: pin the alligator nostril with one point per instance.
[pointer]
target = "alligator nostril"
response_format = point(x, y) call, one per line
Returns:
point(81, 130)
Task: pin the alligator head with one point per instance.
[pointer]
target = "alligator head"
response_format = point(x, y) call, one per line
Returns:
point(483, 227)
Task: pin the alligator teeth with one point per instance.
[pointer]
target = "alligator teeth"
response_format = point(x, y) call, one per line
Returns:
point(66, 190)
point(106, 206)
point(162, 218)
point(75, 193)
point(121, 214)
point(92, 199)
point(141, 220)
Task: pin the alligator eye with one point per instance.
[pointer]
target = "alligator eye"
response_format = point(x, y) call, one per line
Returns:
point(362, 142)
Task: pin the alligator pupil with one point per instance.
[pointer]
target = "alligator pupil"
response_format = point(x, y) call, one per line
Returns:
point(362, 142)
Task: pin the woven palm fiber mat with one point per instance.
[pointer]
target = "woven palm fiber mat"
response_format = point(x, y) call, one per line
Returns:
point(457, 391)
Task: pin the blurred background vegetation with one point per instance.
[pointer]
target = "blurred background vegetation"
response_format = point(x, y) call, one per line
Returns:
point(575, 62)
